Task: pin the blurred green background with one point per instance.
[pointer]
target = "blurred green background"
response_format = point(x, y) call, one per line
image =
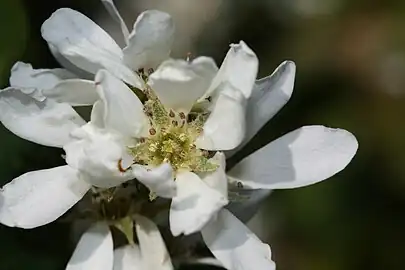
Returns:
point(350, 58)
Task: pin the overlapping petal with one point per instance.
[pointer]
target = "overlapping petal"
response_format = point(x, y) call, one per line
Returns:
point(239, 69)
point(100, 156)
point(123, 111)
point(153, 248)
point(300, 158)
point(47, 122)
point(109, 5)
point(179, 84)
point(269, 95)
point(150, 41)
point(94, 250)
point(128, 258)
point(227, 115)
point(83, 43)
point(194, 205)
point(159, 180)
point(30, 81)
point(234, 245)
point(39, 197)
point(76, 92)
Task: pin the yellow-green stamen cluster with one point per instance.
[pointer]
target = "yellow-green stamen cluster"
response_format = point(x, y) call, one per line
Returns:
point(171, 140)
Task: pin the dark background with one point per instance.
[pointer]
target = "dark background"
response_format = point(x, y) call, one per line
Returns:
point(350, 58)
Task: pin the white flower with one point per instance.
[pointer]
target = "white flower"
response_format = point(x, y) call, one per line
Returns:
point(95, 250)
point(200, 187)
point(174, 142)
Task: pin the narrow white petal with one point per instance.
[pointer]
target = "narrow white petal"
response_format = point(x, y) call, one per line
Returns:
point(123, 110)
point(269, 95)
point(47, 122)
point(113, 11)
point(76, 92)
point(206, 261)
point(97, 114)
point(153, 248)
point(225, 127)
point(302, 157)
point(98, 155)
point(239, 68)
point(94, 250)
point(85, 44)
point(159, 180)
point(150, 41)
point(128, 258)
point(179, 84)
point(235, 246)
point(218, 180)
point(39, 197)
point(32, 81)
point(194, 205)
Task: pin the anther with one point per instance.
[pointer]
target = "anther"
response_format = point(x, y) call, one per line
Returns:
point(120, 168)
point(175, 123)
point(147, 111)
point(188, 57)
point(171, 114)
point(150, 71)
point(152, 131)
point(182, 115)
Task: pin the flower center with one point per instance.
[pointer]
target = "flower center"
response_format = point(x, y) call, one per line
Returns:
point(171, 138)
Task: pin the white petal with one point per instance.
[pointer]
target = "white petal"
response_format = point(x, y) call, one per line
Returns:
point(268, 97)
point(123, 110)
point(76, 92)
point(153, 248)
point(225, 127)
point(31, 81)
point(194, 205)
point(239, 69)
point(179, 84)
point(48, 123)
point(94, 250)
point(159, 179)
point(150, 41)
point(206, 261)
point(64, 62)
point(218, 180)
point(128, 258)
point(85, 44)
point(97, 114)
point(98, 155)
point(303, 157)
point(109, 5)
point(235, 246)
point(39, 197)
